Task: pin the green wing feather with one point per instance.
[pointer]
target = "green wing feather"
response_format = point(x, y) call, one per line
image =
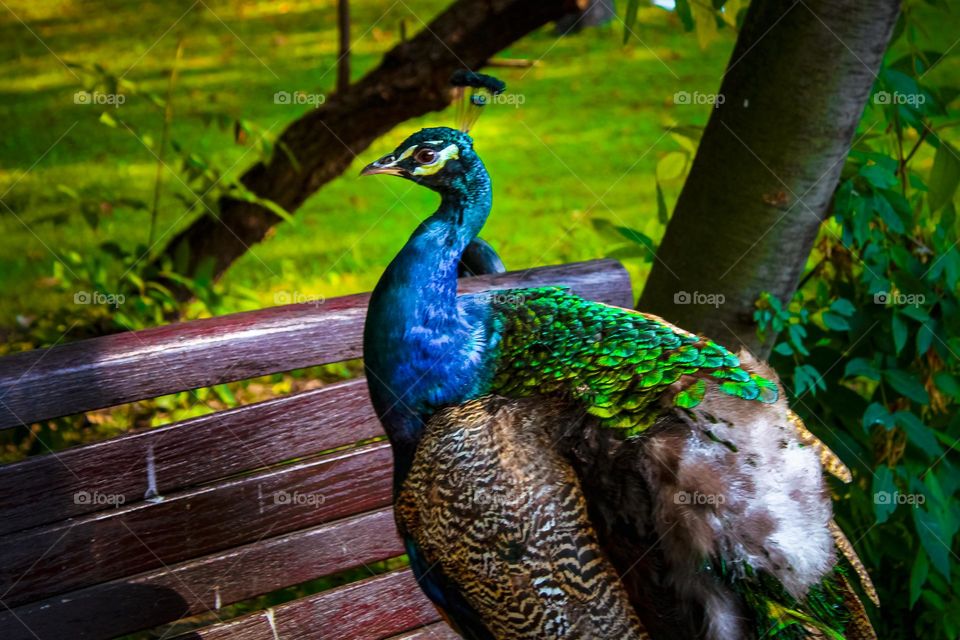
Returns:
point(830, 609)
point(618, 363)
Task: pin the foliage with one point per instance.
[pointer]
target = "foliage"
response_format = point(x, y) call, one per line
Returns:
point(868, 347)
point(116, 287)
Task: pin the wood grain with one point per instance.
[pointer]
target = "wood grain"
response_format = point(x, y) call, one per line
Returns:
point(49, 488)
point(46, 561)
point(205, 584)
point(437, 631)
point(367, 610)
point(102, 372)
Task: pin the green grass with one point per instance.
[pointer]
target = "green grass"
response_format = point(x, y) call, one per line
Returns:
point(583, 145)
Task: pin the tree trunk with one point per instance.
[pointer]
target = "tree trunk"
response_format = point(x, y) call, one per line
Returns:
point(343, 31)
point(768, 163)
point(411, 80)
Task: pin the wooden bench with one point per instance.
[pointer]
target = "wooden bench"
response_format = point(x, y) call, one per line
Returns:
point(150, 527)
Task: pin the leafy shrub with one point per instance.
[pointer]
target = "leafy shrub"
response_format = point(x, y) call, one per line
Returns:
point(870, 350)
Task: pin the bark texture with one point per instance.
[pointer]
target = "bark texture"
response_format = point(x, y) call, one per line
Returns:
point(412, 79)
point(768, 163)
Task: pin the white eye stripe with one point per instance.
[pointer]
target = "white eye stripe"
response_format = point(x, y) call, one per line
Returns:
point(406, 154)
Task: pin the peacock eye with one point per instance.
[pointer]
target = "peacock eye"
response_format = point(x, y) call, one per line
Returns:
point(425, 156)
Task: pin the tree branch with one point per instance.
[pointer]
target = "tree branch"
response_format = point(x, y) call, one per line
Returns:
point(411, 80)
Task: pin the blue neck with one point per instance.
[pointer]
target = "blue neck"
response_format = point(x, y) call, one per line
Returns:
point(420, 347)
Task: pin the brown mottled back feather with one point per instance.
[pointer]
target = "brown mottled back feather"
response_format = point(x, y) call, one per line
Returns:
point(501, 513)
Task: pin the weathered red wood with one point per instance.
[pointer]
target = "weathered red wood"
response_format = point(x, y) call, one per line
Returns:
point(49, 488)
point(205, 584)
point(438, 631)
point(372, 609)
point(102, 372)
point(106, 545)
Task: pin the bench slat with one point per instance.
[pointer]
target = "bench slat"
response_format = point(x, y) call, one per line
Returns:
point(102, 372)
point(203, 585)
point(371, 609)
point(45, 488)
point(45, 561)
point(438, 631)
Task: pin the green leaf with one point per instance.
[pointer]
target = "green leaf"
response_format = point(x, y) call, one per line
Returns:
point(918, 576)
point(944, 177)
point(876, 413)
point(886, 212)
point(807, 378)
point(918, 433)
point(671, 166)
point(68, 191)
point(706, 23)
point(663, 216)
point(225, 394)
point(916, 313)
point(924, 339)
point(797, 333)
point(108, 120)
point(835, 322)
point(861, 367)
point(947, 383)
point(900, 332)
point(907, 385)
point(843, 306)
point(682, 7)
point(731, 11)
point(933, 540)
point(878, 176)
point(242, 193)
point(636, 236)
point(884, 494)
point(783, 348)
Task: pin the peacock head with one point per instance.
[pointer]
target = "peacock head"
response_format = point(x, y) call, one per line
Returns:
point(439, 158)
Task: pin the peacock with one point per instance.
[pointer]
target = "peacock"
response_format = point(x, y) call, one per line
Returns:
point(569, 469)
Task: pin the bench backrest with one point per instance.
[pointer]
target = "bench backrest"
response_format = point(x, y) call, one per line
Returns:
point(158, 525)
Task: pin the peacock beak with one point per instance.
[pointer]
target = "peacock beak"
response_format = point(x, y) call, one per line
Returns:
point(387, 165)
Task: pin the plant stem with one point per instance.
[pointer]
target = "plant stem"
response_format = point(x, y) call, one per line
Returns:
point(167, 119)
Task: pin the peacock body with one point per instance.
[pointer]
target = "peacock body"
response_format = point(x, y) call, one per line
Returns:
point(568, 469)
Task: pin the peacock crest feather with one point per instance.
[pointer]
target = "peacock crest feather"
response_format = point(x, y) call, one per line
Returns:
point(472, 92)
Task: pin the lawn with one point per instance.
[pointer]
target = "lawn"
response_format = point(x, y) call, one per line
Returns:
point(583, 145)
